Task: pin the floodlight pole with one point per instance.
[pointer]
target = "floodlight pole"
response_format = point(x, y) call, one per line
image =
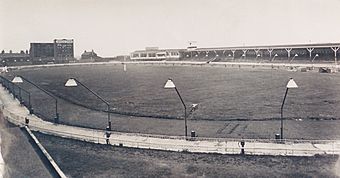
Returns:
point(185, 114)
point(107, 103)
point(291, 84)
point(283, 102)
point(56, 119)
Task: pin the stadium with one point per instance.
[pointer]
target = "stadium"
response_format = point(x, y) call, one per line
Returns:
point(228, 94)
point(296, 53)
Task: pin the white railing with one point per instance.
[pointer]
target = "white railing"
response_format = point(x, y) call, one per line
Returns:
point(212, 145)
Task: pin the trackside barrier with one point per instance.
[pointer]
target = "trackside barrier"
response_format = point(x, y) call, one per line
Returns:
point(227, 146)
point(177, 143)
point(54, 165)
point(191, 63)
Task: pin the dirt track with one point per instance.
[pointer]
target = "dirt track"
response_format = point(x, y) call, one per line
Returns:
point(80, 159)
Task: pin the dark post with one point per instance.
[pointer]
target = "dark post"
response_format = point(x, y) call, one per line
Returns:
point(29, 103)
point(13, 90)
point(108, 117)
point(56, 119)
point(20, 98)
point(107, 103)
point(242, 146)
point(185, 114)
point(283, 102)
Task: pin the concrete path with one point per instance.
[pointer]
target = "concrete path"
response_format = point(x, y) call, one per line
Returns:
point(16, 114)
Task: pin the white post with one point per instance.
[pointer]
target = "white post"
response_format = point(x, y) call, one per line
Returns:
point(270, 50)
point(233, 51)
point(257, 51)
point(244, 53)
point(288, 51)
point(335, 49)
point(310, 52)
point(198, 53)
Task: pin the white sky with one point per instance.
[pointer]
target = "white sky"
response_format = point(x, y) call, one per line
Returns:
point(114, 27)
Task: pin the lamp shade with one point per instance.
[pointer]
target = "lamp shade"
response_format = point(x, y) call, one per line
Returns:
point(169, 84)
point(71, 83)
point(291, 84)
point(17, 80)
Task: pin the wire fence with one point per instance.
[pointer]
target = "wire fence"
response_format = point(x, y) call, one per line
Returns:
point(165, 142)
point(289, 147)
point(19, 93)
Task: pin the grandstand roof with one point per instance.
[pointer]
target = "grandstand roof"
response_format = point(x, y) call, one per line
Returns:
point(317, 45)
point(159, 50)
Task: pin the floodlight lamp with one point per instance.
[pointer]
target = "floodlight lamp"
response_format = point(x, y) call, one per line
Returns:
point(316, 55)
point(296, 55)
point(291, 84)
point(169, 84)
point(17, 79)
point(71, 83)
point(276, 55)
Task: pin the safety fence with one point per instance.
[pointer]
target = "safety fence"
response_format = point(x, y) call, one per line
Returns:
point(164, 142)
point(23, 96)
point(289, 147)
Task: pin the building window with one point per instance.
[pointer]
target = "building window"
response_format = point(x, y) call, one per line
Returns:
point(152, 54)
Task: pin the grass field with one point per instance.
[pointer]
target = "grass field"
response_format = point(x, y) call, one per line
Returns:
point(232, 102)
point(81, 159)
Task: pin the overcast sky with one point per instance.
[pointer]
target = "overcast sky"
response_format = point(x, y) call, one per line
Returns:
point(114, 27)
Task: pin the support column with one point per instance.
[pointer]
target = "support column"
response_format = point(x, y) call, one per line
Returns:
point(335, 49)
point(256, 51)
point(198, 53)
point(244, 53)
point(233, 51)
point(288, 52)
point(270, 50)
point(224, 52)
point(206, 53)
point(310, 52)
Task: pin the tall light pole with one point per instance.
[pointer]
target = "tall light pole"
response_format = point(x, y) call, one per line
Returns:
point(257, 56)
point(20, 79)
point(316, 55)
point(296, 55)
point(291, 84)
point(72, 82)
point(170, 85)
point(274, 57)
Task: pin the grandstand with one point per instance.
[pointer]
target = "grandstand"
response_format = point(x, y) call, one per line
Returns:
point(301, 53)
point(155, 54)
